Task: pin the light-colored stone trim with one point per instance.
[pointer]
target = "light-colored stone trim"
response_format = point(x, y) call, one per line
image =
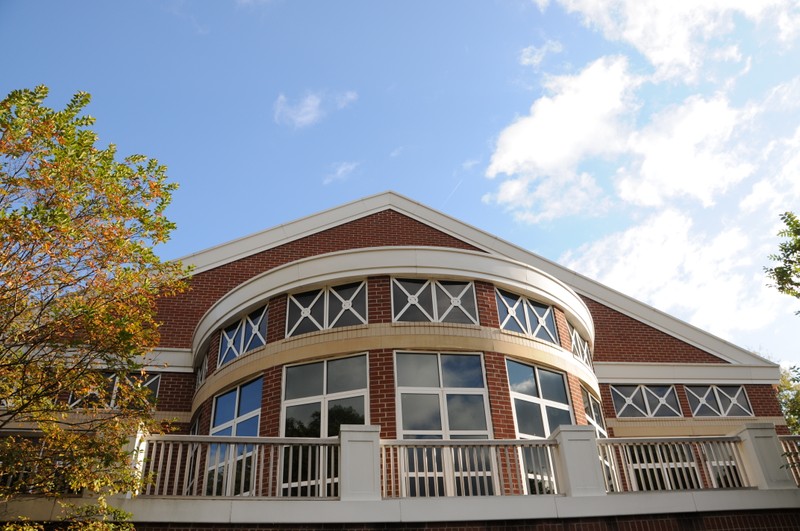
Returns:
point(396, 336)
point(168, 360)
point(684, 427)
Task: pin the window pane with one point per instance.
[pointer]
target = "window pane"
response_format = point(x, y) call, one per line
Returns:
point(247, 428)
point(510, 310)
point(465, 412)
point(344, 411)
point(529, 418)
point(460, 370)
point(553, 387)
point(521, 378)
point(452, 307)
point(304, 380)
point(417, 370)
point(421, 412)
point(416, 297)
point(224, 408)
point(557, 417)
point(303, 420)
point(250, 398)
point(347, 374)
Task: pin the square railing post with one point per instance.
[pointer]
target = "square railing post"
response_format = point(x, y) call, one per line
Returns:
point(360, 472)
point(763, 457)
point(577, 461)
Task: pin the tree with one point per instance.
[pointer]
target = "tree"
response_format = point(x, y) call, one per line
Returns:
point(78, 284)
point(786, 276)
point(789, 398)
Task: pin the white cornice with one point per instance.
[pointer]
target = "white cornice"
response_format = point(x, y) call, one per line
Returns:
point(240, 248)
point(687, 373)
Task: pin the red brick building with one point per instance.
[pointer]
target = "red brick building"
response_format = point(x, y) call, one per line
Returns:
point(496, 389)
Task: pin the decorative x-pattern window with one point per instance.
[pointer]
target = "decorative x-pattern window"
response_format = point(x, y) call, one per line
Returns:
point(580, 347)
point(645, 401)
point(108, 397)
point(437, 301)
point(718, 401)
point(330, 307)
point(519, 314)
point(594, 413)
point(244, 335)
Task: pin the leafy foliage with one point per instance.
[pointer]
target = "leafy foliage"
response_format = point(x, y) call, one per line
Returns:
point(78, 284)
point(786, 276)
point(789, 397)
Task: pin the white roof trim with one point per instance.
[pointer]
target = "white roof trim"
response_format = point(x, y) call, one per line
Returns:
point(685, 373)
point(255, 243)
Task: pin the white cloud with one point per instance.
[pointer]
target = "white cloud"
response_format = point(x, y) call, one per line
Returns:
point(307, 111)
point(341, 170)
point(584, 115)
point(469, 164)
point(310, 109)
point(677, 36)
point(533, 56)
point(667, 262)
point(779, 189)
point(686, 150)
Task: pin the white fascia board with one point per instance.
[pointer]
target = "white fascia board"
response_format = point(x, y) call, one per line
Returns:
point(168, 360)
point(261, 241)
point(685, 373)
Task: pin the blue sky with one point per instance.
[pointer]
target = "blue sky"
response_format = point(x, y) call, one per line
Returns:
point(650, 145)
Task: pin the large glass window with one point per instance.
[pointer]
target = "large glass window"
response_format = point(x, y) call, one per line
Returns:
point(434, 301)
point(325, 308)
point(540, 398)
point(244, 335)
point(320, 397)
point(645, 401)
point(235, 413)
point(718, 401)
point(442, 395)
point(519, 314)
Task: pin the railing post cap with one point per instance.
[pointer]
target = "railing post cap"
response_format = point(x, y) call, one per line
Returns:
point(360, 428)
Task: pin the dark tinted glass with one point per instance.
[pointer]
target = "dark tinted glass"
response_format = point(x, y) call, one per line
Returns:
point(347, 374)
point(521, 378)
point(225, 408)
point(529, 418)
point(250, 397)
point(417, 370)
point(466, 412)
point(303, 420)
point(460, 370)
point(553, 387)
point(304, 380)
point(344, 411)
point(421, 412)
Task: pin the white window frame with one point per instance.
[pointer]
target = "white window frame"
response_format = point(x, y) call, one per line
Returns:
point(716, 390)
point(151, 380)
point(543, 403)
point(436, 314)
point(527, 325)
point(325, 397)
point(236, 456)
point(580, 347)
point(232, 340)
point(646, 391)
point(329, 321)
point(599, 425)
point(446, 474)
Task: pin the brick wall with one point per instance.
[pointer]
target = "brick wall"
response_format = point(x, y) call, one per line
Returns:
point(499, 396)
point(487, 304)
point(379, 300)
point(779, 519)
point(382, 397)
point(181, 313)
point(175, 392)
point(621, 338)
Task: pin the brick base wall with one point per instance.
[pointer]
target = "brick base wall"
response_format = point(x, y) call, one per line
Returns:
point(723, 521)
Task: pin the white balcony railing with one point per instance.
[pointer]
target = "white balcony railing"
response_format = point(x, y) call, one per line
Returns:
point(672, 464)
point(177, 465)
point(413, 468)
point(361, 466)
